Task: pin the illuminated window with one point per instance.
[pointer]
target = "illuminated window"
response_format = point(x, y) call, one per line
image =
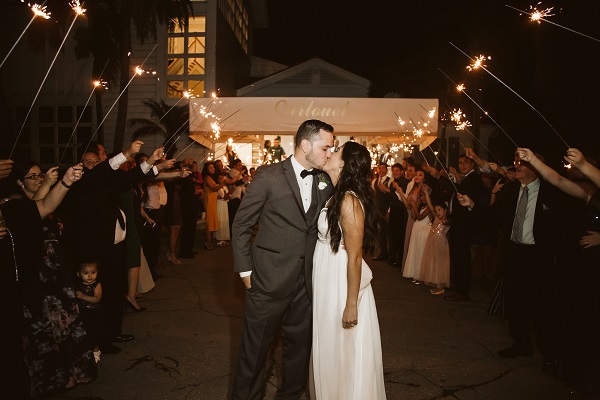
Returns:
point(186, 51)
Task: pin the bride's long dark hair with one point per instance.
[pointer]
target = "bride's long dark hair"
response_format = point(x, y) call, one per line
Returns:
point(355, 176)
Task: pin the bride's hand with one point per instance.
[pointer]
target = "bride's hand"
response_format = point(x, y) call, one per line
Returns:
point(350, 317)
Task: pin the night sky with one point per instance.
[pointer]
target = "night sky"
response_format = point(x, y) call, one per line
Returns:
point(400, 45)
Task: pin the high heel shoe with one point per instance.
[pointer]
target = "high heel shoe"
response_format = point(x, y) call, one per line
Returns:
point(208, 246)
point(132, 307)
point(173, 259)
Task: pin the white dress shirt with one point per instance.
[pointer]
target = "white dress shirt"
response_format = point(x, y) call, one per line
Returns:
point(534, 189)
point(120, 158)
point(305, 184)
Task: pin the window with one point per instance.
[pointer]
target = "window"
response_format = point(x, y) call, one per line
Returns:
point(46, 137)
point(186, 55)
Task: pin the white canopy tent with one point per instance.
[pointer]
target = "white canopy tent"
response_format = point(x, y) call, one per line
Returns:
point(398, 121)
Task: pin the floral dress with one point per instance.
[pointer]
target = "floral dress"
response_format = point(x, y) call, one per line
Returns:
point(55, 344)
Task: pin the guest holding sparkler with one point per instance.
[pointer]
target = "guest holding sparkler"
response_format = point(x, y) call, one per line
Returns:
point(92, 207)
point(528, 213)
point(51, 354)
point(211, 187)
point(580, 359)
point(461, 232)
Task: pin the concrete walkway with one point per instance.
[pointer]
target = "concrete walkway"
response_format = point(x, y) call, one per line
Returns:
point(432, 349)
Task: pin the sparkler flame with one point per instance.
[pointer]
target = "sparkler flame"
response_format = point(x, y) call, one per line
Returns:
point(39, 11)
point(457, 116)
point(463, 125)
point(187, 94)
point(77, 7)
point(138, 70)
point(460, 87)
point(478, 63)
point(400, 121)
point(537, 15)
point(431, 113)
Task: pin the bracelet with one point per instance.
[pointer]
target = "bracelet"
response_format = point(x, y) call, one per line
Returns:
point(64, 184)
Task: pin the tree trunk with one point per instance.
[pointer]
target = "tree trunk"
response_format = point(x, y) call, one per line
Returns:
point(96, 72)
point(124, 50)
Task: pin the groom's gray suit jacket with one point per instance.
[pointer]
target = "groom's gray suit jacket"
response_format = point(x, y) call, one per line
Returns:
point(285, 242)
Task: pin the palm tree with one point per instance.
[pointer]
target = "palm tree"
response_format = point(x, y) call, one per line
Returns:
point(169, 122)
point(144, 16)
point(107, 38)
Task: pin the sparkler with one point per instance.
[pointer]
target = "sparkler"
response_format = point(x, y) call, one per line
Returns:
point(444, 168)
point(454, 111)
point(203, 112)
point(38, 11)
point(138, 71)
point(461, 88)
point(478, 62)
point(539, 15)
point(457, 117)
point(431, 113)
point(96, 84)
point(517, 94)
point(78, 12)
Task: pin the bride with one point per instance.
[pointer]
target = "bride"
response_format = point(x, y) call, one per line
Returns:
point(346, 351)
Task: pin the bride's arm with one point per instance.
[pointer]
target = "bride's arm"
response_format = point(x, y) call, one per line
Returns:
point(352, 221)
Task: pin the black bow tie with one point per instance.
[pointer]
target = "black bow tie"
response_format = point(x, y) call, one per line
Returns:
point(305, 173)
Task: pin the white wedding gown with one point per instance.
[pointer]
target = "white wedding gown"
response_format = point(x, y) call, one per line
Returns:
point(347, 363)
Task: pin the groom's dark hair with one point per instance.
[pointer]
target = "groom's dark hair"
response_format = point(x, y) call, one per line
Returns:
point(309, 130)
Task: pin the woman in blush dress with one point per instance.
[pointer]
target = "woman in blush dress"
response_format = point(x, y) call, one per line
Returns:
point(420, 212)
point(413, 196)
point(346, 353)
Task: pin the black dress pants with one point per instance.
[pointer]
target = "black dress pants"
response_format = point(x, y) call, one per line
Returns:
point(459, 240)
point(151, 238)
point(113, 276)
point(396, 233)
point(530, 298)
point(263, 316)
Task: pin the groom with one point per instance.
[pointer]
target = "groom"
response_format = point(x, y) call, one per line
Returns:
point(285, 200)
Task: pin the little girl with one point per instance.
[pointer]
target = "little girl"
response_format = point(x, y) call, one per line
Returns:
point(435, 266)
point(89, 293)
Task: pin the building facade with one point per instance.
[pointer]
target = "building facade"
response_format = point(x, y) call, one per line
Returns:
point(210, 53)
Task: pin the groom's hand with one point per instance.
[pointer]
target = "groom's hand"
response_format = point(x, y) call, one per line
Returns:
point(247, 283)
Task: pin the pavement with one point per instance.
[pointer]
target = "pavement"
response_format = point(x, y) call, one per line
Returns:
point(186, 342)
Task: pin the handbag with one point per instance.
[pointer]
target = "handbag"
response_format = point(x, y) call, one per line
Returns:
point(120, 233)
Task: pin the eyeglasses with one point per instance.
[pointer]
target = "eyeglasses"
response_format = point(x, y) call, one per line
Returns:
point(521, 162)
point(35, 177)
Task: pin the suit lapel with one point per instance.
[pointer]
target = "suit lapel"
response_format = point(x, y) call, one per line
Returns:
point(290, 177)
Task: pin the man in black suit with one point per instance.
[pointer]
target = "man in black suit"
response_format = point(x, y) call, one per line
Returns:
point(285, 199)
point(381, 186)
point(528, 216)
point(398, 215)
point(461, 229)
point(91, 213)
